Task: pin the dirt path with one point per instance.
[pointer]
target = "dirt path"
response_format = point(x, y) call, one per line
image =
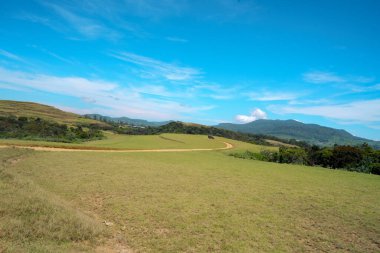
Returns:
point(38, 148)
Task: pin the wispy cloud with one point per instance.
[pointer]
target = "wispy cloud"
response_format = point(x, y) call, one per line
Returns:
point(320, 77)
point(152, 68)
point(88, 27)
point(52, 54)
point(12, 56)
point(215, 91)
point(9, 55)
point(177, 39)
point(361, 111)
point(354, 88)
point(272, 96)
point(255, 115)
point(107, 97)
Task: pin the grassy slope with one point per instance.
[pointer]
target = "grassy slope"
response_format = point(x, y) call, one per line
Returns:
point(29, 109)
point(35, 220)
point(116, 141)
point(207, 201)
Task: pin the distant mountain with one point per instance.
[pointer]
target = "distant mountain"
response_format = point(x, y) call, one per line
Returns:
point(291, 129)
point(126, 120)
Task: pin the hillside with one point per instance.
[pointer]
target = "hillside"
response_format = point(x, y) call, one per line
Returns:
point(291, 129)
point(126, 120)
point(30, 109)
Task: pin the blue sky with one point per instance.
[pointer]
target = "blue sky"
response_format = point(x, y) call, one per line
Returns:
point(199, 61)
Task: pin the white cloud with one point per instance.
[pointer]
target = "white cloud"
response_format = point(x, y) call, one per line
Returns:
point(153, 68)
point(255, 115)
point(105, 97)
point(361, 111)
point(320, 77)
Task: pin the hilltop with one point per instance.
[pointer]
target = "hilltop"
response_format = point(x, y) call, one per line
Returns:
point(292, 129)
point(46, 112)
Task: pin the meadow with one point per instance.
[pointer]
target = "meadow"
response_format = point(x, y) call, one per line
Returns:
point(118, 141)
point(182, 202)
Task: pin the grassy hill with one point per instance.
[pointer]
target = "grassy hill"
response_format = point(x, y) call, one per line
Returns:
point(291, 129)
point(30, 109)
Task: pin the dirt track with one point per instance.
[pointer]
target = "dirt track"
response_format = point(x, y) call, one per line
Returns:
point(228, 146)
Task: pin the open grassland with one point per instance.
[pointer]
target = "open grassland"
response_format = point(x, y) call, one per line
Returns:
point(29, 109)
point(182, 202)
point(118, 141)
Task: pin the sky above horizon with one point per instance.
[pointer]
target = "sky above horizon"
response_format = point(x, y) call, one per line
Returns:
point(198, 61)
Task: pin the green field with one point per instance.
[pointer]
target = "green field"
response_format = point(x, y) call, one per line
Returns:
point(181, 202)
point(117, 141)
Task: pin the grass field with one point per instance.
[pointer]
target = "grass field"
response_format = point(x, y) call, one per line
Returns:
point(182, 202)
point(117, 141)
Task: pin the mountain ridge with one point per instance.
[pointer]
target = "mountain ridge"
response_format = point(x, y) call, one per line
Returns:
point(292, 129)
point(126, 120)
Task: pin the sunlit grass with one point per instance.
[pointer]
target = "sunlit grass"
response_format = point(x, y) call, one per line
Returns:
point(208, 201)
point(118, 141)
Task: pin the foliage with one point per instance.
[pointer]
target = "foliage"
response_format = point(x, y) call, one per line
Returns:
point(292, 155)
point(40, 129)
point(264, 155)
point(361, 158)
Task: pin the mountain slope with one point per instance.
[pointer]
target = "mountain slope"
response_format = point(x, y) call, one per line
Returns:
point(291, 129)
point(126, 120)
point(30, 109)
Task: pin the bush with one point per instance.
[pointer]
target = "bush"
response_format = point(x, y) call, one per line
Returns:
point(375, 168)
point(293, 155)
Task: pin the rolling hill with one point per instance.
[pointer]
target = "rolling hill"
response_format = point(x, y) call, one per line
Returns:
point(291, 129)
point(36, 110)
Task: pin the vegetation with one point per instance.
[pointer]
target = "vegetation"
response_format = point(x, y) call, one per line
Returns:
point(290, 129)
point(182, 202)
point(39, 129)
point(353, 158)
point(125, 120)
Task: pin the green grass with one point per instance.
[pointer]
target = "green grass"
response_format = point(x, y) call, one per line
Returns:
point(30, 109)
point(117, 141)
point(34, 220)
point(193, 202)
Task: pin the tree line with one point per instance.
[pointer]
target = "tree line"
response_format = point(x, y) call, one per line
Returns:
point(362, 158)
point(29, 128)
